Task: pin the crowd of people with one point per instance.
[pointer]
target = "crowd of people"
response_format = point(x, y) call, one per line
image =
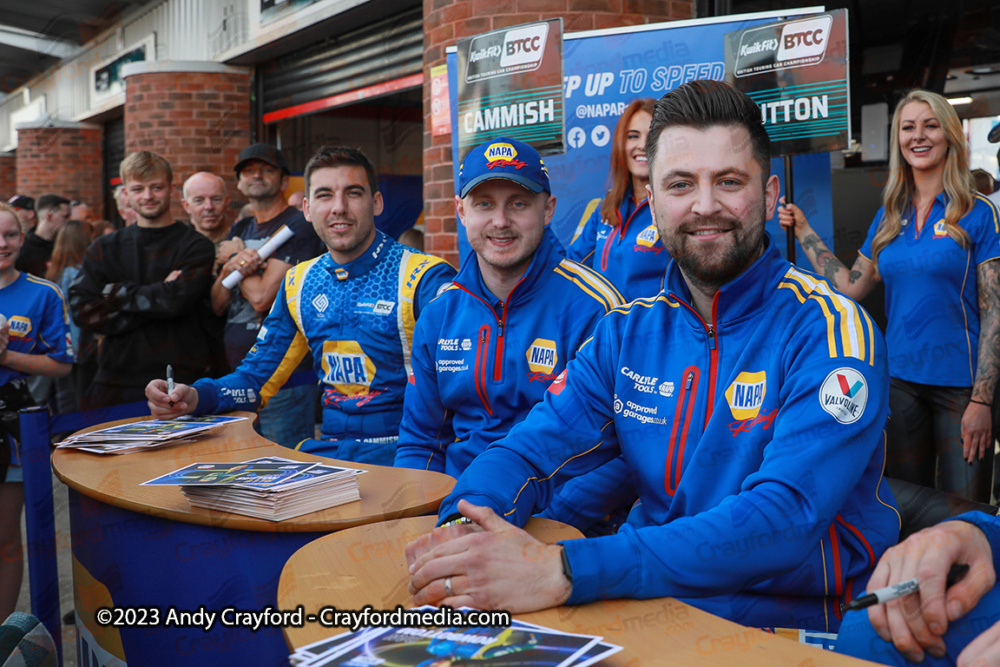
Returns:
point(716, 421)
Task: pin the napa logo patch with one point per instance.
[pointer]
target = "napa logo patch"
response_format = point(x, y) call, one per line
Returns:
point(20, 327)
point(542, 357)
point(844, 394)
point(502, 155)
point(346, 367)
point(746, 394)
point(341, 274)
point(648, 237)
point(940, 231)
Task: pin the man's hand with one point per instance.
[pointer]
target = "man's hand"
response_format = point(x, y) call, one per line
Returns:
point(4, 339)
point(246, 262)
point(977, 424)
point(174, 275)
point(229, 247)
point(916, 622)
point(181, 401)
point(497, 567)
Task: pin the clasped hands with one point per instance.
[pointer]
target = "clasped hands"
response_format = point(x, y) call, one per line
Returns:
point(489, 564)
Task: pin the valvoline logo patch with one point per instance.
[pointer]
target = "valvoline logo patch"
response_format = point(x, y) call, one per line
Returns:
point(844, 395)
point(559, 384)
point(746, 394)
point(502, 155)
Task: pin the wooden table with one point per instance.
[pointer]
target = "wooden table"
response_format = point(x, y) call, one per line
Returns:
point(145, 545)
point(366, 566)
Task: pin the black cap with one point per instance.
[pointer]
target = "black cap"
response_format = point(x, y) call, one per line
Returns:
point(265, 153)
point(994, 136)
point(22, 202)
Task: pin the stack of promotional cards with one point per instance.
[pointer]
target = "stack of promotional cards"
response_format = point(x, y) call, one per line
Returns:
point(520, 644)
point(144, 435)
point(272, 488)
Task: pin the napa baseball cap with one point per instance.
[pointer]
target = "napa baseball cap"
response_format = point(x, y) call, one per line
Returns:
point(265, 153)
point(994, 136)
point(22, 202)
point(504, 158)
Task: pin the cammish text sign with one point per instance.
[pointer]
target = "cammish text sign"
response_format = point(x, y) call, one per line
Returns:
point(797, 71)
point(510, 84)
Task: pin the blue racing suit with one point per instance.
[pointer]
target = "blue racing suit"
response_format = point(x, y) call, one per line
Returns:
point(480, 363)
point(755, 440)
point(627, 251)
point(358, 321)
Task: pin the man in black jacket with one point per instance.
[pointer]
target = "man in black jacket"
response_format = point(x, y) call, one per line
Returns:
point(141, 288)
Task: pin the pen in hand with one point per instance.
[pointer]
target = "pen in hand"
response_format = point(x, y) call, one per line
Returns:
point(170, 382)
point(883, 595)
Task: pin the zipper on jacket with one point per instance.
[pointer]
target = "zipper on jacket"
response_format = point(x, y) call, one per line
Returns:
point(712, 331)
point(618, 231)
point(679, 432)
point(479, 372)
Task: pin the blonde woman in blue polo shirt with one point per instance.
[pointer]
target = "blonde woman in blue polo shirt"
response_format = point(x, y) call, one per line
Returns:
point(934, 242)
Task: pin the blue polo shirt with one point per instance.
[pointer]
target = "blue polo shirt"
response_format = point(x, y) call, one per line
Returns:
point(931, 298)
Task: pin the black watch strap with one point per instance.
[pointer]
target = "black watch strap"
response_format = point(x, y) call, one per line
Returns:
point(567, 568)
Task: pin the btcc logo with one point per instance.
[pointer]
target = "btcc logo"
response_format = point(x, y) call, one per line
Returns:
point(523, 47)
point(805, 39)
point(542, 357)
point(746, 394)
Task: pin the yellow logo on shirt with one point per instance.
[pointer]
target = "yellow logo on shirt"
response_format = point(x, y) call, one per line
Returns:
point(648, 237)
point(542, 357)
point(746, 394)
point(20, 327)
point(346, 367)
point(940, 231)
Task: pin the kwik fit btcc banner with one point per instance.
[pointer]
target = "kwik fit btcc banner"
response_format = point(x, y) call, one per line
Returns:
point(604, 71)
point(510, 81)
point(797, 71)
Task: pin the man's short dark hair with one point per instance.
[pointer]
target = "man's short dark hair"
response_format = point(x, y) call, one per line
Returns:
point(341, 156)
point(47, 202)
point(703, 104)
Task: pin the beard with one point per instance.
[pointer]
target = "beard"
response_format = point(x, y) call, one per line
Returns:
point(710, 266)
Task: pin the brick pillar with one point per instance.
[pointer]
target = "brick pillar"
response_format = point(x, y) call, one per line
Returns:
point(446, 21)
point(195, 114)
point(63, 158)
point(8, 176)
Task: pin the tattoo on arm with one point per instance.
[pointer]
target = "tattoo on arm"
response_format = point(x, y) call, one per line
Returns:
point(825, 261)
point(988, 286)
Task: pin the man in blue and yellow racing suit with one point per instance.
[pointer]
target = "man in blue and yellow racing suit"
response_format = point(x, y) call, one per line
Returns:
point(354, 308)
point(748, 400)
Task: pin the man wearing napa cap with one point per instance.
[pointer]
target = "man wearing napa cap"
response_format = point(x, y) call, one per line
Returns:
point(486, 350)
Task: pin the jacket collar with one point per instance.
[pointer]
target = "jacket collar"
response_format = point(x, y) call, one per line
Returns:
point(547, 257)
point(361, 265)
point(740, 297)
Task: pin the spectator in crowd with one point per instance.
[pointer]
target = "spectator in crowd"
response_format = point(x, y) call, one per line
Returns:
point(72, 242)
point(206, 201)
point(935, 242)
point(141, 287)
point(516, 281)
point(295, 199)
point(619, 240)
point(34, 340)
point(80, 210)
point(355, 307)
point(725, 394)
point(53, 212)
point(125, 210)
point(25, 209)
point(262, 173)
point(246, 211)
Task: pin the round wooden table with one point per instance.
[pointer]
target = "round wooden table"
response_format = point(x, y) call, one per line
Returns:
point(141, 546)
point(367, 566)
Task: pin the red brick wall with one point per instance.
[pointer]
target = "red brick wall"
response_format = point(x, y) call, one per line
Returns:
point(446, 21)
point(8, 176)
point(63, 160)
point(199, 121)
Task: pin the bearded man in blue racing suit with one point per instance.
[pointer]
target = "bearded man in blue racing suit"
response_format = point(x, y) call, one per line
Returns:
point(748, 400)
point(354, 307)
